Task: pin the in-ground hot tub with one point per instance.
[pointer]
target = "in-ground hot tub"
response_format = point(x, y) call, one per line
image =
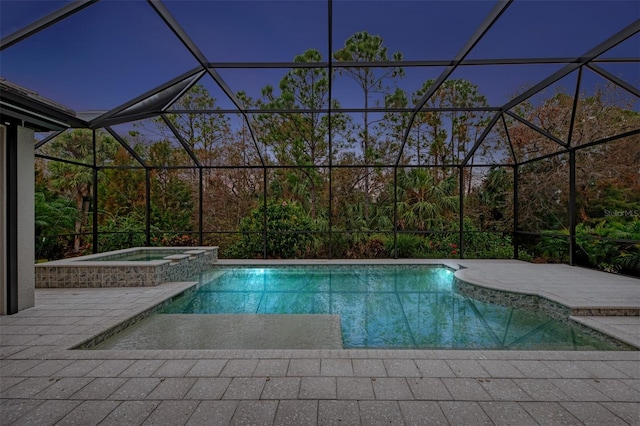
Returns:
point(134, 267)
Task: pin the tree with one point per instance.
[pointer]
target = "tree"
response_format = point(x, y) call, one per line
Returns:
point(229, 193)
point(301, 139)
point(171, 195)
point(448, 135)
point(74, 181)
point(491, 202)
point(424, 202)
point(288, 231)
point(122, 191)
point(364, 47)
point(394, 124)
point(606, 174)
point(205, 134)
point(54, 215)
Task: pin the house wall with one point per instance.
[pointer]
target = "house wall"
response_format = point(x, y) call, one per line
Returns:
point(25, 253)
point(3, 223)
point(26, 218)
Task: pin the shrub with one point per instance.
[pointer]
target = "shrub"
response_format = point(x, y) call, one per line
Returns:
point(121, 232)
point(374, 249)
point(175, 240)
point(289, 230)
point(595, 246)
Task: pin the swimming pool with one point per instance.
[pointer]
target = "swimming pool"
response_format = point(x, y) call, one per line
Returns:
point(379, 307)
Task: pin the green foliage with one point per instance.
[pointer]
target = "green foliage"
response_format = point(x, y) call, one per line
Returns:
point(171, 202)
point(595, 246)
point(76, 181)
point(407, 245)
point(288, 227)
point(121, 191)
point(301, 139)
point(445, 244)
point(609, 255)
point(432, 246)
point(375, 248)
point(494, 200)
point(122, 232)
point(490, 245)
point(130, 231)
point(629, 260)
point(553, 246)
point(424, 201)
point(54, 215)
point(174, 240)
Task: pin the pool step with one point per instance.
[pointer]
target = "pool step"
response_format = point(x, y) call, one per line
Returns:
point(231, 331)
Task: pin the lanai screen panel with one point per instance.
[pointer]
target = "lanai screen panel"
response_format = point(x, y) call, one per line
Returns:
point(345, 106)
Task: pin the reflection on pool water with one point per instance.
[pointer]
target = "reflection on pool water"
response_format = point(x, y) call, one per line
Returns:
point(140, 255)
point(383, 307)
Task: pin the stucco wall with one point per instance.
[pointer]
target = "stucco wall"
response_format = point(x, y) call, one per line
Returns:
point(3, 197)
point(26, 219)
point(26, 223)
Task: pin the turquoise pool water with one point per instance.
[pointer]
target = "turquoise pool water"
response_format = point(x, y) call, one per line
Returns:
point(383, 307)
point(138, 255)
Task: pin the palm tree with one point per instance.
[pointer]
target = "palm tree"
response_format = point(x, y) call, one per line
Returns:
point(425, 202)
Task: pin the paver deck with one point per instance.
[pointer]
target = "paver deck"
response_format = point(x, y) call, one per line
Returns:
point(44, 382)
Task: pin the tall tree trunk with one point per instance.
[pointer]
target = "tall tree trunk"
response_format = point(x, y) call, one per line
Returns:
point(313, 200)
point(366, 155)
point(78, 227)
point(470, 175)
point(82, 205)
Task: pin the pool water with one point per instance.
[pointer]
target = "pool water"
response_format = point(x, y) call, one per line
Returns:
point(138, 255)
point(383, 307)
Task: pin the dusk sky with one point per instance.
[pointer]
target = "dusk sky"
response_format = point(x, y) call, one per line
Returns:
point(115, 50)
